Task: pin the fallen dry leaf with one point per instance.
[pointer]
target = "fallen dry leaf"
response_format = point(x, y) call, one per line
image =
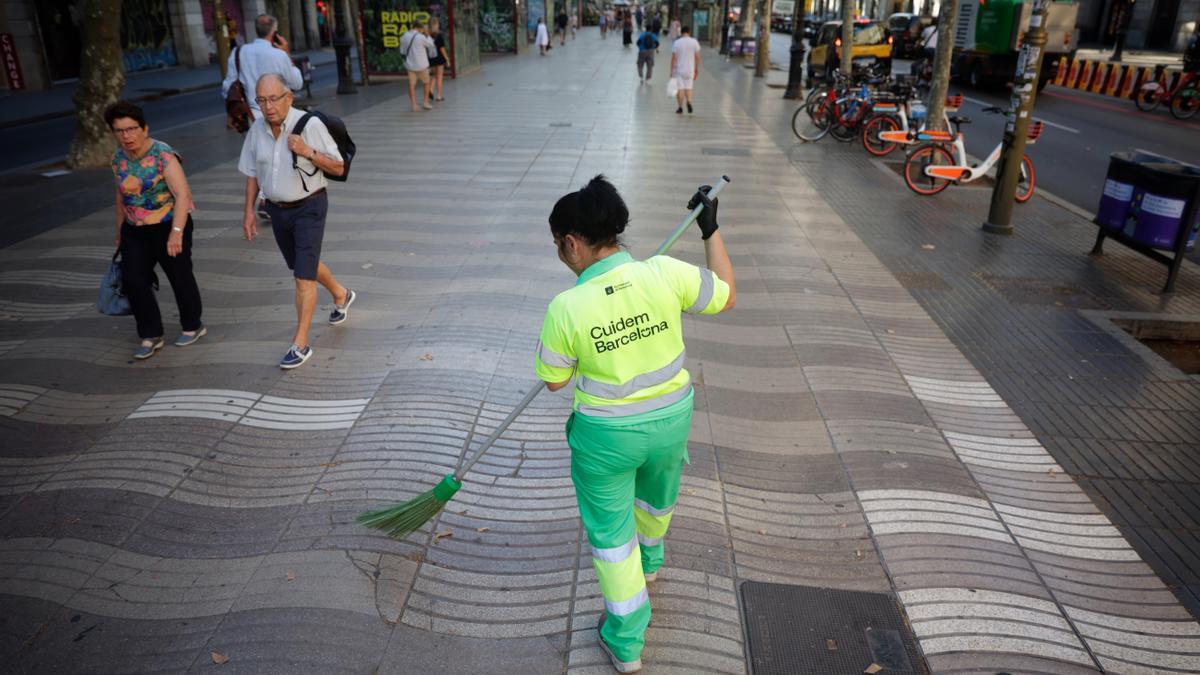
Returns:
point(928, 247)
point(873, 668)
point(762, 532)
point(831, 645)
point(442, 535)
point(291, 575)
point(219, 658)
point(427, 357)
point(330, 465)
point(858, 554)
point(482, 529)
point(367, 266)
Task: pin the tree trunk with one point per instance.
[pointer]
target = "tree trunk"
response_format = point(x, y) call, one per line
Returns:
point(847, 55)
point(941, 64)
point(282, 10)
point(101, 78)
point(762, 61)
point(745, 21)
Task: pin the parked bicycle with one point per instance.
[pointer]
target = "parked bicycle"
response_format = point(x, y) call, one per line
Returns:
point(1183, 99)
point(838, 107)
point(896, 123)
point(932, 167)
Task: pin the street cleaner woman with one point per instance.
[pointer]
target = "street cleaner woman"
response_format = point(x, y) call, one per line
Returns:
point(618, 331)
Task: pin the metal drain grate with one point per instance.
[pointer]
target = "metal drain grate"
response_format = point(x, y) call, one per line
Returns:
point(801, 629)
point(1035, 291)
point(726, 152)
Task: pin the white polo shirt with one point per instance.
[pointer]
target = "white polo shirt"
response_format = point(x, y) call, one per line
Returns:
point(269, 160)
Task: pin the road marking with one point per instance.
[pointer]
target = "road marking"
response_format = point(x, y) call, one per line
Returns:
point(1045, 121)
point(1118, 109)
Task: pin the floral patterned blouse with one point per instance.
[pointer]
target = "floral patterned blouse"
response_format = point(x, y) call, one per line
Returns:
point(143, 185)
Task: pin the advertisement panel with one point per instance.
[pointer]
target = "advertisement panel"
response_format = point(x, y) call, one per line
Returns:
point(384, 22)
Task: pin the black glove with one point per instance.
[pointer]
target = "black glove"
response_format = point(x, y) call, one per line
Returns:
point(707, 220)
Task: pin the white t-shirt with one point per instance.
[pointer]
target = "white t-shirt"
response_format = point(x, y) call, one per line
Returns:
point(929, 37)
point(685, 50)
point(269, 160)
point(543, 38)
point(416, 50)
point(260, 58)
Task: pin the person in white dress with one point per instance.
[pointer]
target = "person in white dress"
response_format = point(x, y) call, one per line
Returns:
point(543, 37)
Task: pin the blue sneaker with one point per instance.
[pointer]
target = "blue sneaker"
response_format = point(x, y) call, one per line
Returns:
point(184, 340)
point(340, 312)
point(145, 351)
point(295, 357)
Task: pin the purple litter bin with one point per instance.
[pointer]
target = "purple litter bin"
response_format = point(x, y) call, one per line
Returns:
point(1164, 199)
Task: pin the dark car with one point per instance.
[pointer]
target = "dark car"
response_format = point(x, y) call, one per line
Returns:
point(905, 30)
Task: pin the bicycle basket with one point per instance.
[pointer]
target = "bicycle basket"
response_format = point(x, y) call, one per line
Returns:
point(1034, 132)
point(954, 102)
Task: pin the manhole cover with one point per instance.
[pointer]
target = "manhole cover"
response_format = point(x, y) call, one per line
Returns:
point(922, 281)
point(728, 152)
point(1035, 291)
point(801, 629)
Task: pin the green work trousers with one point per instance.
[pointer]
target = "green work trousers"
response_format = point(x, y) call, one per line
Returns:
point(626, 478)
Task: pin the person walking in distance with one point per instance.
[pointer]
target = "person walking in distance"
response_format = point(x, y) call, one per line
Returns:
point(267, 54)
point(574, 24)
point(154, 227)
point(560, 27)
point(618, 333)
point(297, 206)
point(656, 23)
point(627, 30)
point(417, 48)
point(543, 36)
point(640, 16)
point(438, 63)
point(673, 30)
point(685, 65)
point(647, 44)
point(603, 25)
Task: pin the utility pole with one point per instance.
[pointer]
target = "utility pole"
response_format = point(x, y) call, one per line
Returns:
point(762, 53)
point(341, 49)
point(220, 32)
point(847, 54)
point(1024, 93)
point(796, 64)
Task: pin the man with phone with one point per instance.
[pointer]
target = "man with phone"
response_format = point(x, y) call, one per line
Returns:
point(268, 54)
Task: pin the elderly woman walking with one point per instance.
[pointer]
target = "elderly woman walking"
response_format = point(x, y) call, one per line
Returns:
point(154, 227)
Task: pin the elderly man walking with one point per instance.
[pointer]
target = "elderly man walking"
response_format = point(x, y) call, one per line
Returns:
point(267, 54)
point(296, 205)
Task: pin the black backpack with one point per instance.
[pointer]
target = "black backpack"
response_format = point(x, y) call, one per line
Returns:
point(337, 131)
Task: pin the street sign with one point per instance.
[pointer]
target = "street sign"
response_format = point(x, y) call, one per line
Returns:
point(12, 65)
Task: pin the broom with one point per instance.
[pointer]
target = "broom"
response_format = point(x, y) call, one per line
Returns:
point(401, 520)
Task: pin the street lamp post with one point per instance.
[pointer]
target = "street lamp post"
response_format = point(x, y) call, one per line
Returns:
point(1122, 29)
point(341, 49)
point(1029, 66)
point(796, 65)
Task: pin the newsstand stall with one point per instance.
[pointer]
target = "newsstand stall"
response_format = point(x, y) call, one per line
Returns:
point(384, 22)
point(1151, 204)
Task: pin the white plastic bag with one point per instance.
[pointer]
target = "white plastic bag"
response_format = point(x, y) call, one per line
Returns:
point(672, 86)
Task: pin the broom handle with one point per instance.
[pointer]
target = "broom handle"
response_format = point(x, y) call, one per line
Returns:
point(538, 385)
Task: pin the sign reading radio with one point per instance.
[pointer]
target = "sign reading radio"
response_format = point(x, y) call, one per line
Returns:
point(394, 24)
point(625, 330)
point(12, 65)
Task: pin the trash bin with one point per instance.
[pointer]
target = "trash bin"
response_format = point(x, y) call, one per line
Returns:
point(1162, 200)
point(1124, 176)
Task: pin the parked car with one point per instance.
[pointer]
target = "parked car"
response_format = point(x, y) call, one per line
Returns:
point(871, 44)
point(905, 30)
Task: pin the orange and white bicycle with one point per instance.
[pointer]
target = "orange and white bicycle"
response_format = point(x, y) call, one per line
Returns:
point(931, 167)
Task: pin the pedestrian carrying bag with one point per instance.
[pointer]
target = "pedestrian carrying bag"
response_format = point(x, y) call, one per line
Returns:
point(673, 86)
point(337, 131)
point(112, 299)
point(238, 114)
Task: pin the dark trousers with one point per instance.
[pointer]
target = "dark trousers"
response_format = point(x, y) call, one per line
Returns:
point(646, 60)
point(141, 249)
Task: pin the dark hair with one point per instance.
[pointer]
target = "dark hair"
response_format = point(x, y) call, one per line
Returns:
point(596, 213)
point(124, 109)
point(685, 29)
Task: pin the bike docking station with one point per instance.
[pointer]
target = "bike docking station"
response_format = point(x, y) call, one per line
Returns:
point(1150, 203)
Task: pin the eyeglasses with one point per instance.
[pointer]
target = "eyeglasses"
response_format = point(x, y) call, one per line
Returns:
point(264, 100)
point(125, 131)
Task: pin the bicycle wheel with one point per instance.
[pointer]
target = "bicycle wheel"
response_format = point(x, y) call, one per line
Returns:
point(914, 169)
point(810, 123)
point(1026, 181)
point(1185, 103)
point(871, 131)
point(845, 123)
point(1147, 100)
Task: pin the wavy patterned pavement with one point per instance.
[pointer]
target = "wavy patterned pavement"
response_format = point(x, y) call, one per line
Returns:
point(154, 513)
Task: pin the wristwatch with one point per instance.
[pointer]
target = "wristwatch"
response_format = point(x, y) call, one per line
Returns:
point(177, 229)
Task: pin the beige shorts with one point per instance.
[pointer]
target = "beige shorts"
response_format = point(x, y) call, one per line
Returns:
point(419, 75)
point(685, 82)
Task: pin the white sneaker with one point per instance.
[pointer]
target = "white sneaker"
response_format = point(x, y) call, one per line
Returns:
point(617, 664)
point(651, 576)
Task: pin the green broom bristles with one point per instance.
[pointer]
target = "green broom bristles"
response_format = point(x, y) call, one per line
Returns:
point(403, 519)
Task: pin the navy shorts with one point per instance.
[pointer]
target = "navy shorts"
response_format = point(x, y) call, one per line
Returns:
point(299, 232)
